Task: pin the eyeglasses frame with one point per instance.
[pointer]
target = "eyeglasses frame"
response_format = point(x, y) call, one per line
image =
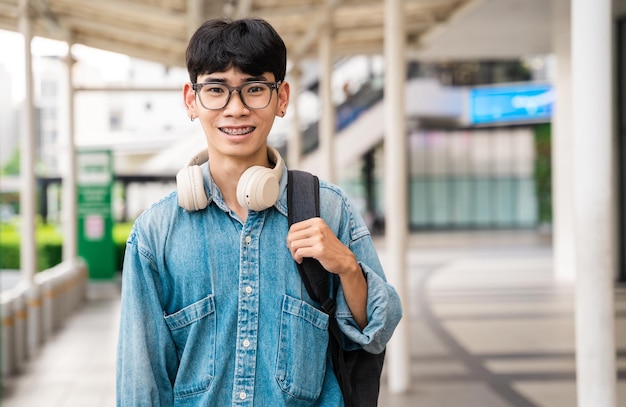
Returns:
point(198, 86)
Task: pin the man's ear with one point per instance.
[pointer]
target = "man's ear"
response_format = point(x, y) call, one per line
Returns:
point(189, 97)
point(283, 97)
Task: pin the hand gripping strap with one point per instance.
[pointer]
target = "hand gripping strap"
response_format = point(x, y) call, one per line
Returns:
point(303, 202)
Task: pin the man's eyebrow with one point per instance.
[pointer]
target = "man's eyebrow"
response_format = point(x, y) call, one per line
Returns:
point(210, 79)
point(260, 78)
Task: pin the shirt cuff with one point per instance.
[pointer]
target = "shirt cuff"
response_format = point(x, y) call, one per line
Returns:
point(371, 338)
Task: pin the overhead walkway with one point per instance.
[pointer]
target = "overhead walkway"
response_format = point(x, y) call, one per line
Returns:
point(360, 121)
point(489, 325)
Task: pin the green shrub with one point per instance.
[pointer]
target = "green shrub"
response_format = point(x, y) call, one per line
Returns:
point(543, 172)
point(9, 255)
point(50, 245)
point(49, 255)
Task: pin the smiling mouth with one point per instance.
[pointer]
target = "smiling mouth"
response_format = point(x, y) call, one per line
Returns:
point(237, 132)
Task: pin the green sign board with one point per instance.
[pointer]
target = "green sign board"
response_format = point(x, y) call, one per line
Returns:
point(95, 221)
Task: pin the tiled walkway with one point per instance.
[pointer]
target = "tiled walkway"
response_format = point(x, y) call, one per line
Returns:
point(489, 326)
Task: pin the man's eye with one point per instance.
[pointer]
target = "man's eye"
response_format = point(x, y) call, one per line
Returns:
point(255, 89)
point(214, 89)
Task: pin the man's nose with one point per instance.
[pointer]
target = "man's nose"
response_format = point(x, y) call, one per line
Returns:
point(235, 103)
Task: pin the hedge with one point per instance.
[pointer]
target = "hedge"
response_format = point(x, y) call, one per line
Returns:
point(49, 246)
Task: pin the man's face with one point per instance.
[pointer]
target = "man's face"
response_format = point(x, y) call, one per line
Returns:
point(236, 130)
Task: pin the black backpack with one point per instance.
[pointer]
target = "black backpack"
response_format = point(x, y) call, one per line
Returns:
point(357, 371)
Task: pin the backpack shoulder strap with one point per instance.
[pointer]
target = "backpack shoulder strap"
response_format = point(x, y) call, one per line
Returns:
point(303, 196)
point(303, 202)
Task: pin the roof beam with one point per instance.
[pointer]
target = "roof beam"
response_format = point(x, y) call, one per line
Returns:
point(122, 33)
point(49, 18)
point(163, 56)
point(243, 8)
point(119, 11)
point(309, 38)
point(454, 15)
point(8, 11)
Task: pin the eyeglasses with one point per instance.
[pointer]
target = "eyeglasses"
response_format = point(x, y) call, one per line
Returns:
point(216, 95)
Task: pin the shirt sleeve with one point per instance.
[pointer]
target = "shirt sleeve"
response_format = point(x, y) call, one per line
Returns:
point(146, 357)
point(384, 309)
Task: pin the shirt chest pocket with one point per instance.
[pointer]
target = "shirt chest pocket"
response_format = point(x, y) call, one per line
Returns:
point(301, 361)
point(193, 329)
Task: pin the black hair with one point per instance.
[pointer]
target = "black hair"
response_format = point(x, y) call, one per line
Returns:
point(250, 45)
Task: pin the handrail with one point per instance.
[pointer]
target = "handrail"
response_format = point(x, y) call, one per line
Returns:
point(367, 96)
point(31, 313)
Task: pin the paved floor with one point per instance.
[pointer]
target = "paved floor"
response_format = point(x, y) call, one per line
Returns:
point(489, 325)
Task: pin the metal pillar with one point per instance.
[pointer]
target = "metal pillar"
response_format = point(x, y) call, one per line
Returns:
point(28, 252)
point(396, 221)
point(70, 244)
point(594, 192)
point(28, 249)
point(327, 121)
point(294, 147)
point(562, 147)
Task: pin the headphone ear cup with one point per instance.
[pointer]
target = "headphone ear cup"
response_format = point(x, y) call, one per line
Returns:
point(190, 187)
point(257, 188)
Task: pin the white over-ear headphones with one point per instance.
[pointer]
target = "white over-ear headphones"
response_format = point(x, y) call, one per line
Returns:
point(257, 188)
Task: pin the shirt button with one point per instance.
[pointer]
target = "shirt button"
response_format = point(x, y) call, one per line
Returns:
point(248, 239)
point(242, 395)
point(248, 290)
point(246, 343)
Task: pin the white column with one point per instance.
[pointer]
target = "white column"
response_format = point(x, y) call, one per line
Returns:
point(592, 128)
point(28, 253)
point(396, 220)
point(327, 121)
point(294, 146)
point(69, 215)
point(562, 147)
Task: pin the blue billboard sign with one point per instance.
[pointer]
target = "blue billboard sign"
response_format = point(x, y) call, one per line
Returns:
point(514, 103)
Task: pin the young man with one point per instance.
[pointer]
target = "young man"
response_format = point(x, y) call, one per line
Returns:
point(214, 312)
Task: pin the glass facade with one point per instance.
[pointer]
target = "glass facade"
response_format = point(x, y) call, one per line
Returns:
point(472, 178)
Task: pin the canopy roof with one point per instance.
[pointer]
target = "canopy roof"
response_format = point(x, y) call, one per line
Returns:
point(158, 30)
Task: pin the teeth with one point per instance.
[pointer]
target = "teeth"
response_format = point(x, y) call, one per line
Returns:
point(237, 132)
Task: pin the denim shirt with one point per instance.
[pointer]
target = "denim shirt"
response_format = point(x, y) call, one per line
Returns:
point(214, 312)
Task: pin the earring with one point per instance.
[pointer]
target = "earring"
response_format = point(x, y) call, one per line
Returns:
point(192, 118)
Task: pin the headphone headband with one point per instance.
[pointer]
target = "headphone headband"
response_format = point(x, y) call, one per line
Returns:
point(203, 156)
point(257, 188)
point(200, 158)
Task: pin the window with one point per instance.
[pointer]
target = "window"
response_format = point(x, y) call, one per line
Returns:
point(115, 120)
point(48, 88)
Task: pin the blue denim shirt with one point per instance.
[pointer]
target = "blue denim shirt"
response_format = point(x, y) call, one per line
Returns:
point(214, 312)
